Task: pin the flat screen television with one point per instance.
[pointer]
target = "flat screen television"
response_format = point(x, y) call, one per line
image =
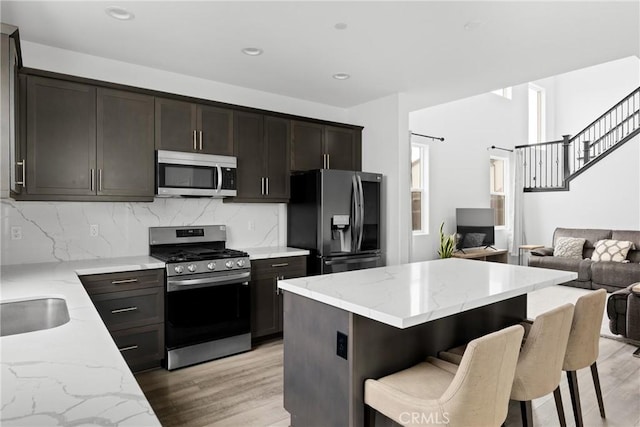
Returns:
point(475, 227)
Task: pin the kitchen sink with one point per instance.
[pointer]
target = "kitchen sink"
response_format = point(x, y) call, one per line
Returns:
point(18, 317)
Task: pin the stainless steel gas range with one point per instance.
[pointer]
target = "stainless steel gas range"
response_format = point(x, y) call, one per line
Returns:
point(207, 294)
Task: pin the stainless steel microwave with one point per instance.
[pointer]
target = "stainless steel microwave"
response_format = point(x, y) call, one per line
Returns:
point(195, 174)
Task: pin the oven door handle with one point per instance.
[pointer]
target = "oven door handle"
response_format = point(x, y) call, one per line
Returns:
point(204, 282)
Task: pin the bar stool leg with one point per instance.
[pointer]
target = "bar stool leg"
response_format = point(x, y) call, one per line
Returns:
point(572, 378)
point(527, 413)
point(596, 385)
point(369, 416)
point(558, 398)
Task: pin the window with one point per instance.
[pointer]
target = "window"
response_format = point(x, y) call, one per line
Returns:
point(498, 180)
point(419, 175)
point(536, 114)
point(506, 92)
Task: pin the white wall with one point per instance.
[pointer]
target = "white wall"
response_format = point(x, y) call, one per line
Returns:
point(579, 98)
point(459, 166)
point(54, 231)
point(95, 67)
point(605, 196)
point(582, 96)
point(459, 172)
point(385, 149)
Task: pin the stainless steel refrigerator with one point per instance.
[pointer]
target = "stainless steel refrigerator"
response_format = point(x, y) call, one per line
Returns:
point(336, 215)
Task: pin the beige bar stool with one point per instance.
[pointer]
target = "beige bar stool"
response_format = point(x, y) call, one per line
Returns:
point(437, 392)
point(583, 347)
point(539, 368)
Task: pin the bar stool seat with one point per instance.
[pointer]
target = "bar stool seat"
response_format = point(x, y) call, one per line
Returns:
point(539, 368)
point(583, 348)
point(437, 392)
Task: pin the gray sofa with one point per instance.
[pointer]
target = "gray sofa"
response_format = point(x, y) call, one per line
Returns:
point(611, 276)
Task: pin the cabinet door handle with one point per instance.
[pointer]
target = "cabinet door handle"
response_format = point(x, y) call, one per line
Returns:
point(324, 161)
point(262, 185)
point(200, 135)
point(131, 347)
point(328, 161)
point(92, 179)
point(23, 163)
point(123, 310)
point(120, 282)
point(283, 264)
point(267, 186)
point(99, 179)
point(195, 145)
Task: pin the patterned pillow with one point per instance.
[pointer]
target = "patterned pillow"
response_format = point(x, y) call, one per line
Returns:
point(569, 247)
point(611, 250)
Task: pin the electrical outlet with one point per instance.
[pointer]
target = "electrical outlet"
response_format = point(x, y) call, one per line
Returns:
point(94, 230)
point(251, 226)
point(342, 345)
point(16, 233)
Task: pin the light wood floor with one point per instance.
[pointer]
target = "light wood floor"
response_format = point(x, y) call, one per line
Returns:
point(246, 390)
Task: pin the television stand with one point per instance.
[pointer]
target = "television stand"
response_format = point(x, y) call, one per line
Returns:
point(484, 254)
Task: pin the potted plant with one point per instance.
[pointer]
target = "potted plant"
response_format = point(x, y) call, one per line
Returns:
point(447, 243)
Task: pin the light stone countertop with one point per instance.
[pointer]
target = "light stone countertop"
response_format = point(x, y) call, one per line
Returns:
point(72, 374)
point(274, 252)
point(411, 294)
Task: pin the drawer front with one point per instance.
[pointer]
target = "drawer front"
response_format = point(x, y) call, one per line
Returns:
point(289, 267)
point(143, 347)
point(122, 281)
point(128, 309)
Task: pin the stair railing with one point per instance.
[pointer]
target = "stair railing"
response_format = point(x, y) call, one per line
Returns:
point(549, 166)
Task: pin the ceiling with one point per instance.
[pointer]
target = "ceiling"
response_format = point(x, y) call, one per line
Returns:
point(433, 51)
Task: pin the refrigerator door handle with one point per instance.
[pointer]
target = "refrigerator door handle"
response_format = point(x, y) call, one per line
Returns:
point(355, 215)
point(352, 260)
point(361, 203)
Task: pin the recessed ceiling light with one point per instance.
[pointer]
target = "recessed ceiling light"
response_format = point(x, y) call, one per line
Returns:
point(120, 13)
point(252, 51)
point(341, 76)
point(340, 26)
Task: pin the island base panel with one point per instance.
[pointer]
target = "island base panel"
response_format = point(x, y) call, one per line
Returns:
point(321, 388)
point(316, 379)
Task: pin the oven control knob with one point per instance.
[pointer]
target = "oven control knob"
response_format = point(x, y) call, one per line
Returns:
point(211, 266)
point(179, 269)
point(192, 267)
point(240, 263)
point(229, 264)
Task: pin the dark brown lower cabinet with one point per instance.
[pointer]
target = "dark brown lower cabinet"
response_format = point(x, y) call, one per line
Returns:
point(131, 305)
point(266, 299)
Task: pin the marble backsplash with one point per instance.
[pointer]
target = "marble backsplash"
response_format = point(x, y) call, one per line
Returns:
point(60, 231)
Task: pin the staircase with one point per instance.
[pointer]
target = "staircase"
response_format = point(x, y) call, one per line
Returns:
point(550, 166)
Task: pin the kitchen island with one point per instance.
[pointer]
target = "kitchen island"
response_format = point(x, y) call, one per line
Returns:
point(72, 374)
point(340, 329)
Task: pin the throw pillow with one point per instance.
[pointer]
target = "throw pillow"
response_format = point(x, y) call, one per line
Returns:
point(611, 250)
point(569, 247)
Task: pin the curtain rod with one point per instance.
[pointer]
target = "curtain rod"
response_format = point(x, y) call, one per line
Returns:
point(493, 147)
point(435, 138)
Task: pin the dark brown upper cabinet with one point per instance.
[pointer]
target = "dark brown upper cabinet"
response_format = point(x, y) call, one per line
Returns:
point(125, 144)
point(87, 143)
point(61, 138)
point(316, 146)
point(262, 149)
point(185, 126)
